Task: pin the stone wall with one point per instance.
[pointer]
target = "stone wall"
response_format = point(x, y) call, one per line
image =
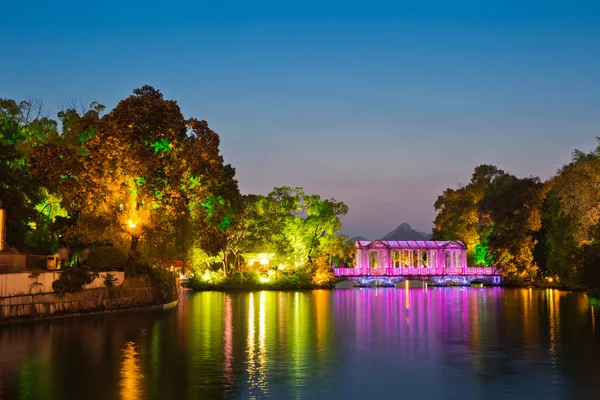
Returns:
point(23, 283)
point(134, 292)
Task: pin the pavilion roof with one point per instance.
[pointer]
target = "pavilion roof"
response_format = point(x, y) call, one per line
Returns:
point(411, 244)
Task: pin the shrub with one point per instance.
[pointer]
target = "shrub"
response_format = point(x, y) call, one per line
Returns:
point(322, 276)
point(72, 280)
point(135, 265)
point(293, 281)
point(167, 283)
point(110, 280)
point(107, 259)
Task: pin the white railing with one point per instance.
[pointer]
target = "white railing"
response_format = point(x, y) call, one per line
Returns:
point(413, 271)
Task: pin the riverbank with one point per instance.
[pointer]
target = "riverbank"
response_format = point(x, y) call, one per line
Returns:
point(292, 282)
point(252, 281)
point(133, 292)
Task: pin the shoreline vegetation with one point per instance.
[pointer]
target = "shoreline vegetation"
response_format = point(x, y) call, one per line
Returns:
point(143, 188)
point(250, 281)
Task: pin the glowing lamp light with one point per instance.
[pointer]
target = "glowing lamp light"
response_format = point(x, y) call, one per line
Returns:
point(550, 279)
point(131, 224)
point(263, 259)
point(264, 279)
point(206, 276)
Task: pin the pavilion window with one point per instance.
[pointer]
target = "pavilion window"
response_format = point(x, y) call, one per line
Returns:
point(432, 259)
point(404, 262)
point(373, 259)
point(424, 258)
point(448, 259)
point(396, 258)
point(415, 258)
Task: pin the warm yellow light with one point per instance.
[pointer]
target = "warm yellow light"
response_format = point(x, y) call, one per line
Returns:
point(264, 279)
point(550, 279)
point(131, 224)
point(263, 258)
point(206, 276)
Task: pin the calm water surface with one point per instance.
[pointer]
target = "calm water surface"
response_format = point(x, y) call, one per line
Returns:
point(450, 343)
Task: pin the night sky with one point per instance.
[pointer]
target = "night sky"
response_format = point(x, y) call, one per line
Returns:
point(381, 106)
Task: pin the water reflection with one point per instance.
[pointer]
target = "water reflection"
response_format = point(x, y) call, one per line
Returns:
point(131, 373)
point(439, 343)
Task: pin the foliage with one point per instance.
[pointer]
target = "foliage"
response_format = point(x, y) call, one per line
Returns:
point(140, 174)
point(322, 274)
point(301, 279)
point(72, 280)
point(106, 258)
point(460, 217)
point(572, 213)
point(166, 282)
point(136, 265)
point(496, 215)
point(513, 207)
point(297, 228)
point(110, 280)
point(22, 130)
point(588, 262)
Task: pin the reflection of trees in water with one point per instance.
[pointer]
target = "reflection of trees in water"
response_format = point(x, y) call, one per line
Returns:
point(577, 347)
point(67, 358)
point(296, 345)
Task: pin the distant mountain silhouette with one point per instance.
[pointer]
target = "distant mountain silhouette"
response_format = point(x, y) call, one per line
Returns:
point(406, 232)
point(359, 238)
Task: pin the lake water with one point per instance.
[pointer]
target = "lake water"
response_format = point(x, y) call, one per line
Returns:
point(440, 343)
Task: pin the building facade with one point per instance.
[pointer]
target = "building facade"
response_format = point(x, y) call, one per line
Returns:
point(435, 260)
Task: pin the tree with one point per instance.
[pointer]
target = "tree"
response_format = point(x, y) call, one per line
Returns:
point(571, 217)
point(513, 206)
point(22, 130)
point(141, 173)
point(497, 216)
point(460, 217)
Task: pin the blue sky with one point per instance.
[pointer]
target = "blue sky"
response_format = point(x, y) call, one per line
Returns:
point(379, 104)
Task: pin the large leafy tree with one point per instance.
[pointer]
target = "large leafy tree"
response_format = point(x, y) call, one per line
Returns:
point(497, 216)
point(513, 208)
point(461, 218)
point(296, 227)
point(23, 129)
point(141, 172)
point(572, 217)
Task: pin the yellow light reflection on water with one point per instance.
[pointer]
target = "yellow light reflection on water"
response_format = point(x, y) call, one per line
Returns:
point(407, 299)
point(131, 373)
point(257, 355)
point(250, 345)
point(262, 348)
point(553, 300)
point(228, 351)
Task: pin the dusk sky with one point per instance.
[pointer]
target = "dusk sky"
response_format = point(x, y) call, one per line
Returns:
point(381, 107)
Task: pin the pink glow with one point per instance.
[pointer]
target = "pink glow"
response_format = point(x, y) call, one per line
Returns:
point(413, 271)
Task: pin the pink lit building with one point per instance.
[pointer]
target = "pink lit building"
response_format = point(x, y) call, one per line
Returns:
point(435, 260)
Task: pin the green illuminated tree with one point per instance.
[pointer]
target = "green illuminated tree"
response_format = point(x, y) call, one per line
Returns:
point(460, 217)
point(141, 174)
point(513, 207)
point(23, 129)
